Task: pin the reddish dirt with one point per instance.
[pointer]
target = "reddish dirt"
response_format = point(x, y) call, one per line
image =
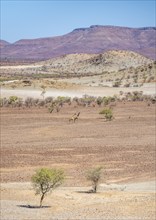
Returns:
point(32, 138)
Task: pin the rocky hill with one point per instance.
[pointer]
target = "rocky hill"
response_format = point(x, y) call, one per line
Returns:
point(115, 66)
point(91, 40)
point(87, 64)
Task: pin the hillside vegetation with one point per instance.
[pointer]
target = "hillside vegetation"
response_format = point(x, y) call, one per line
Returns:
point(112, 68)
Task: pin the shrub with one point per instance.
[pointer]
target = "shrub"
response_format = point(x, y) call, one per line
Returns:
point(87, 100)
point(29, 102)
point(63, 99)
point(12, 99)
point(137, 96)
point(41, 103)
point(99, 101)
point(4, 102)
point(35, 101)
point(48, 100)
point(117, 84)
point(107, 113)
point(107, 100)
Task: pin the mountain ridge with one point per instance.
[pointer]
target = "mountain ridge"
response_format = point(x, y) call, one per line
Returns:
point(93, 39)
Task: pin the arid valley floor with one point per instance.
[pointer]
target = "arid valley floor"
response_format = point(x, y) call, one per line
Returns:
point(32, 138)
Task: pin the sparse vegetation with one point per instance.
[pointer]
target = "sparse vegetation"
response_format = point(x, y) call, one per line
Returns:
point(72, 145)
point(57, 103)
point(86, 100)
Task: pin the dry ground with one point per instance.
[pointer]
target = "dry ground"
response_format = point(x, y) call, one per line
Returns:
point(32, 138)
point(71, 90)
point(19, 202)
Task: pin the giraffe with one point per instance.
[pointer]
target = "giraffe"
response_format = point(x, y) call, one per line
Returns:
point(74, 117)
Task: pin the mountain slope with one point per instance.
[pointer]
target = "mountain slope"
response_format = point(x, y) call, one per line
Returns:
point(3, 43)
point(95, 39)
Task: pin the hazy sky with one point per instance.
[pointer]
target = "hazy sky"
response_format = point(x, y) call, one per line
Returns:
point(27, 19)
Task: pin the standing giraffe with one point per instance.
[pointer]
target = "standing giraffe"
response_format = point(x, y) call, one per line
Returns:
point(74, 117)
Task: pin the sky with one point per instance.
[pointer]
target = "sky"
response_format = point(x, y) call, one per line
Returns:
point(29, 19)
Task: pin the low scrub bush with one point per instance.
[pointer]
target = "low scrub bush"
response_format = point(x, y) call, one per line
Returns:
point(99, 101)
point(28, 102)
point(87, 100)
point(109, 99)
point(56, 103)
point(48, 100)
point(117, 84)
point(13, 99)
point(108, 114)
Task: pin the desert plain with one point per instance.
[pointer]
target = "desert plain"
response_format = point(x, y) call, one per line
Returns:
point(32, 138)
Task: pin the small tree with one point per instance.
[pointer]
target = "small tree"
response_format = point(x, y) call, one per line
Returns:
point(43, 93)
point(45, 180)
point(107, 113)
point(94, 176)
point(43, 87)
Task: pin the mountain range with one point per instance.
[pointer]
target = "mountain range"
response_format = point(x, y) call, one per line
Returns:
point(91, 40)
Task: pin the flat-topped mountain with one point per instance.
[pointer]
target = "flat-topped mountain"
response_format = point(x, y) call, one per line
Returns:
point(95, 39)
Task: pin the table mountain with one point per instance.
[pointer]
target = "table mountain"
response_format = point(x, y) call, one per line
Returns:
point(94, 39)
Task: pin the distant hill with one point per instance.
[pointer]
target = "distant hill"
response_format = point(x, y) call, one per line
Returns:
point(95, 39)
point(93, 64)
point(115, 67)
point(3, 43)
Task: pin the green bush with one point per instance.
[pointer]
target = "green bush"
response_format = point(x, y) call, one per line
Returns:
point(13, 99)
point(87, 100)
point(63, 99)
point(99, 100)
point(107, 100)
point(107, 113)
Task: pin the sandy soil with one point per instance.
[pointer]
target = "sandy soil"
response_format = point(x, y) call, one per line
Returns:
point(20, 66)
point(77, 91)
point(19, 202)
point(33, 138)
